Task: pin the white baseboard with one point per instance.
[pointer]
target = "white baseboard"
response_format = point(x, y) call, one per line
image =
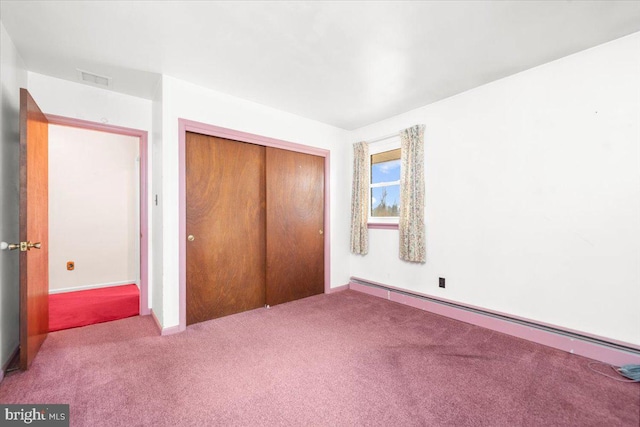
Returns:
point(165, 331)
point(96, 286)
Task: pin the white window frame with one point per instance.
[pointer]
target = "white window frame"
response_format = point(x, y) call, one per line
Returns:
point(387, 144)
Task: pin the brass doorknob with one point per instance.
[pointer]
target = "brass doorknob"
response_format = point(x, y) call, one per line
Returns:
point(191, 238)
point(10, 246)
point(321, 232)
point(23, 246)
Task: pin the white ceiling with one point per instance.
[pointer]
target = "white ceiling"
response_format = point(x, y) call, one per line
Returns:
point(348, 64)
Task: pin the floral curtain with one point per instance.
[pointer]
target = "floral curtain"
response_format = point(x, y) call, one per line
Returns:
point(411, 224)
point(360, 199)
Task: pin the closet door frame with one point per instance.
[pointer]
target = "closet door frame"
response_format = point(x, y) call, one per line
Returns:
point(185, 126)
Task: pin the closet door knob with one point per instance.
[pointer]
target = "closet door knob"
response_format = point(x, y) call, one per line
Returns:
point(321, 232)
point(191, 238)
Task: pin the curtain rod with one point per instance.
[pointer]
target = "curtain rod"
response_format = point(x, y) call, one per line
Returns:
point(382, 138)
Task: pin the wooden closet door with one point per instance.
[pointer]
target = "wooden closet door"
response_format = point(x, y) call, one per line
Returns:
point(225, 195)
point(295, 225)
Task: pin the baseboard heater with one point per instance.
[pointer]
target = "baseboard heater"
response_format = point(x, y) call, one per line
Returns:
point(632, 353)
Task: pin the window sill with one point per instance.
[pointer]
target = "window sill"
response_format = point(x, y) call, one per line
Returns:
point(382, 226)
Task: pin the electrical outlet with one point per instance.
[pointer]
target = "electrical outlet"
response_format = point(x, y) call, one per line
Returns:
point(441, 282)
point(71, 265)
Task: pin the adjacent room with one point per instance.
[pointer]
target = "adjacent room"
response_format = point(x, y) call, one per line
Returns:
point(349, 213)
point(94, 200)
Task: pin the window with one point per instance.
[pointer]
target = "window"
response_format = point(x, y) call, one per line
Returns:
point(384, 207)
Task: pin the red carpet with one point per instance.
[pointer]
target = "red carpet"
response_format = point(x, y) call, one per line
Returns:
point(82, 308)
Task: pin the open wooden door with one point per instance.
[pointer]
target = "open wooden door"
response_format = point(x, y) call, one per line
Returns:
point(34, 229)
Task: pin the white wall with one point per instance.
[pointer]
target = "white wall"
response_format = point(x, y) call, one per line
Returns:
point(532, 195)
point(76, 100)
point(155, 288)
point(93, 208)
point(188, 101)
point(13, 76)
point(80, 101)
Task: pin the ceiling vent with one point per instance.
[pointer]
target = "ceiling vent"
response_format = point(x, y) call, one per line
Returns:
point(94, 79)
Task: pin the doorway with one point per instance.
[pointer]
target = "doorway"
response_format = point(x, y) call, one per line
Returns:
point(33, 225)
point(140, 195)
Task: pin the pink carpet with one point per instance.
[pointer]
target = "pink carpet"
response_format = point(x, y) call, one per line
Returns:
point(344, 359)
point(81, 308)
